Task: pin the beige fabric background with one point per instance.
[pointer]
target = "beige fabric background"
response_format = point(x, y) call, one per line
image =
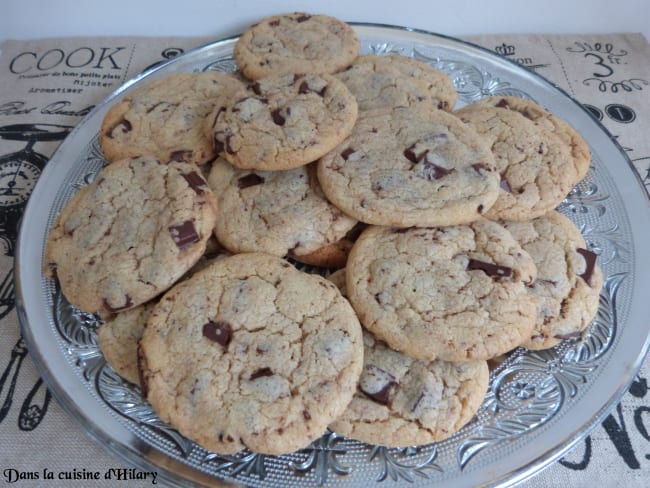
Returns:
point(58, 81)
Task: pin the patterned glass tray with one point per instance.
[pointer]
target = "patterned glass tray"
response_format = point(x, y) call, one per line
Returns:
point(539, 404)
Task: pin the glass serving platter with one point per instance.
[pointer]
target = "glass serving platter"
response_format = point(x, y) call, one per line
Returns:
point(539, 404)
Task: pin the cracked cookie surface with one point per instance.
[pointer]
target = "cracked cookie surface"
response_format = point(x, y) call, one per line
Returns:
point(250, 352)
point(119, 334)
point(296, 43)
point(397, 81)
point(165, 118)
point(578, 147)
point(401, 401)
point(453, 293)
point(277, 212)
point(407, 167)
point(282, 122)
point(535, 166)
point(568, 281)
point(130, 234)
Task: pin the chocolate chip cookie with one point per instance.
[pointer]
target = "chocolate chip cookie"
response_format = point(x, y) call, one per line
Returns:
point(165, 118)
point(296, 43)
point(277, 212)
point(407, 167)
point(578, 147)
point(536, 167)
point(282, 122)
point(568, 281)
point(397, 81)
point(452, 293)
point(130, 234)
point(401, 401)
point(251, 353)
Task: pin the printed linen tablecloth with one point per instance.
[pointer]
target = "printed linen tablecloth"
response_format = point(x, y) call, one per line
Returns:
point(48, 86)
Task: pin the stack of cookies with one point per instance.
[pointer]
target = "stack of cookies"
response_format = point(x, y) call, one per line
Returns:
point(436, 228)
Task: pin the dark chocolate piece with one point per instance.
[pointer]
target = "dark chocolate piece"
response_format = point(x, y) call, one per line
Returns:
point(277, 117)
point(346, 153)
point(383, 394)
point(590, 263)
point(195, 181)
point(260, 373)
point(250, 179)
point(184, 234)
point(304, 88)
point(219, 332)
point(503, 103)
point(491, 269)
point(433, 171)
point(409, 153)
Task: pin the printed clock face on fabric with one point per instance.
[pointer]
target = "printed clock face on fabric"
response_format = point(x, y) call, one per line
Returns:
point(17, 179)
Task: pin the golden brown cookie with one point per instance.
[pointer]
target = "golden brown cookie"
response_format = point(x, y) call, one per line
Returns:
point(165, 118)
point(397, 81)
point(282, 122)
point(277, 212)
point(452, 293)
point(578, 147)
point(568, 281)
point(536, 167)
point(401, 401)
point(296, 43)
point(250, 352)
point(130, 234)
point(407, 167)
